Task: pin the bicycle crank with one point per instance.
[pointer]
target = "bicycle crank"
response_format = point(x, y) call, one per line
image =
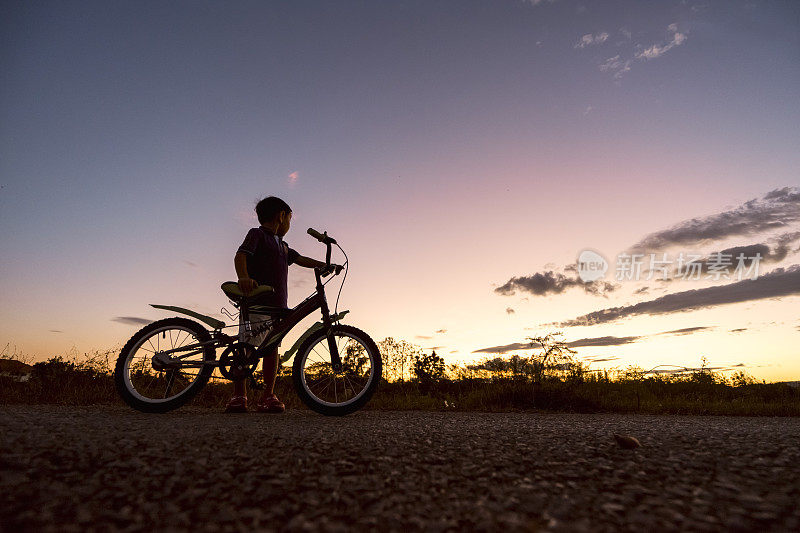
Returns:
point(234, 364)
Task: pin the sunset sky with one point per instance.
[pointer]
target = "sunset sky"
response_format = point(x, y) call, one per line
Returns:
point(463, 153)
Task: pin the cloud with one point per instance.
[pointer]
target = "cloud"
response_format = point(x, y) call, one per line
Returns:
point(441, 330)
point(56, 331)
point(425, 337)
point(777, 209)
point(768, 253)
point(656, 50)
point(293, 176)
point(780, 282)
point(616, 66)
point(591, 40)
point(189, 263)
point(506, 348)
point(601, 359)
point(550, 282)
point(509, 311)
point(603, 341)
point(685, 331)
point(641, 290)
point(539, 2)
point(133, 320)
point(724, 263)
point(739, 330)
point(592, 341)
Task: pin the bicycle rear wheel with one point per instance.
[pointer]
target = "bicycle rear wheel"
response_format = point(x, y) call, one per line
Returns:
point(337, 393)
point(148, 388)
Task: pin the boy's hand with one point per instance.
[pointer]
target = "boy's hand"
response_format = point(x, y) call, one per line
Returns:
point(331, 269)
point(247, 285)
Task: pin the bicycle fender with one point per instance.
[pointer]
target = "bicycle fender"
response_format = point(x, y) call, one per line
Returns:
point(213, 322)
point(317, 325)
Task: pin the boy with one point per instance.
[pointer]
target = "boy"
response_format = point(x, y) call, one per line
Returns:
point(263, 259)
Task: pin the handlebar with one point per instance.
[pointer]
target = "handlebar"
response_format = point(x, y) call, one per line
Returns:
point(321, 237)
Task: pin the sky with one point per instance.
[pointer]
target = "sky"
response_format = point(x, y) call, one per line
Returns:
point(463, 153)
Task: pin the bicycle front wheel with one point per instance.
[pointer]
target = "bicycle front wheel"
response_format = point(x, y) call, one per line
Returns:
point(337, 393)
point(151, 388)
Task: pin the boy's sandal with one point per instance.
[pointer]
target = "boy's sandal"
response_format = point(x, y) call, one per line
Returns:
point(271, 405)
point(237, 404)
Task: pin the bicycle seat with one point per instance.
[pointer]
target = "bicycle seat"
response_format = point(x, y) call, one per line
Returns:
point(234, 292)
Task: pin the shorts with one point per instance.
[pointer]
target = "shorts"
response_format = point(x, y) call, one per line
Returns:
point(260, 327)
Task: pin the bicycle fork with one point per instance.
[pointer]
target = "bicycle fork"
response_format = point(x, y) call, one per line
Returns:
point(336, 361)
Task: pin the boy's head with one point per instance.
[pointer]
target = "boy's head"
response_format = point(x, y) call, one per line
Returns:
point(273, 210)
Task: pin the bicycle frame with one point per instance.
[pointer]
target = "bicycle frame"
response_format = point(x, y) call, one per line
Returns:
point(283, 325)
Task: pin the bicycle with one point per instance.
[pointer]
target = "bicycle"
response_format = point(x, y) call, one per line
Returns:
point(336, 367)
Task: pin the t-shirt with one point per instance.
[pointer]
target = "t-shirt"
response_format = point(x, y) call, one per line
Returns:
point(268, 260)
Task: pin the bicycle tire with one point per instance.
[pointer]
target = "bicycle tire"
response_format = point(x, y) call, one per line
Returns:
point(124, 385)
point(360, 401)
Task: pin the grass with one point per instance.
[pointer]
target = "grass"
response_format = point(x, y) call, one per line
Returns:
point(90, 382)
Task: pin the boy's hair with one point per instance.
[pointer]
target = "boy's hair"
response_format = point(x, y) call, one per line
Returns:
point(268, 208)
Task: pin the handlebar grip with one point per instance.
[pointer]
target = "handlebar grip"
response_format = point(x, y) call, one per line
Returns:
point(317, 235)
point(321, 237)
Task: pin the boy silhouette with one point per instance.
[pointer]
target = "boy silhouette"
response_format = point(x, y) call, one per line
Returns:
point(264, 259)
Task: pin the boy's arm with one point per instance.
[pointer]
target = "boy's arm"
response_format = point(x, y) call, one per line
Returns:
point(245, 283)
point(308, 262)
point(313, 263)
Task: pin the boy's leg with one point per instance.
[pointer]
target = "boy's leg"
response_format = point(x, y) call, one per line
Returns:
point(239, 387)
point(270, 371)
point(238, 402)
point(269, 402)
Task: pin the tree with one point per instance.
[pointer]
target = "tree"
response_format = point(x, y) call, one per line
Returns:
point(556, 357)
point(428, 369)
point(397, 357)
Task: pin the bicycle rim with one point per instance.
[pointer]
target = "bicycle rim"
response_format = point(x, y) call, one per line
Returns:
point(338, 389)
point(159, 386)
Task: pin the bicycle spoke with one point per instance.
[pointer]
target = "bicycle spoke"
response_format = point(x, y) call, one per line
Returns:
point(350, 382)
point(170, 381)
point(331, 379)
point(322, 359)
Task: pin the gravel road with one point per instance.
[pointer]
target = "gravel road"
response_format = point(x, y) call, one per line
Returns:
point(100, 468)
